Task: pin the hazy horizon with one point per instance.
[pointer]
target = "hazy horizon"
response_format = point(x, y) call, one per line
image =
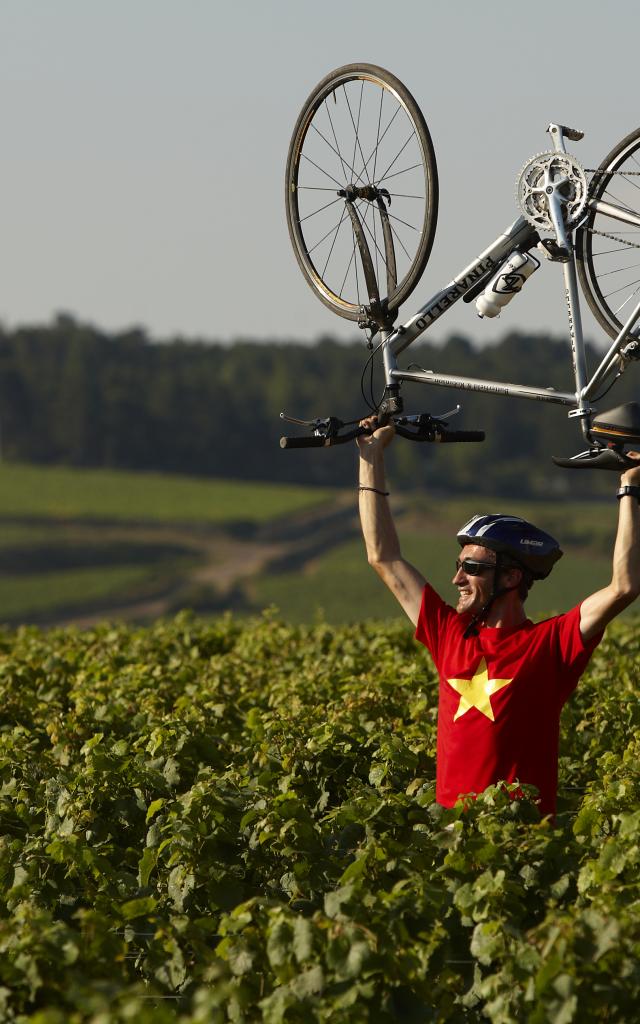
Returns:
point(145, 147)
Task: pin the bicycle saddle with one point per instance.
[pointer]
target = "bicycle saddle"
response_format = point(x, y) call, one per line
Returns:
point(614, 428)
point(618, 426)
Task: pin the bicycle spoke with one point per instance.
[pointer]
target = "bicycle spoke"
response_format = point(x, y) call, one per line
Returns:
point(378, 249)
point(398, 173)
point(357, 138)
point(347, 270)
point(321, 169)
point(404, 195)
point(607, 252)
point(392, 216)
point(395, 233)
point(334, 135)
point(319, 210)
point(383, 255)
point(314, 188)
point(377, 145)
point(355, 263)
point(324, 269)
point(375, 162)
point(375, 237)
point(337, 152)
point(355, 130)
point(397, 157)
point(356, 142)
point(619, 270)
point(625, 206)
point(314, 247)
point(617, 290)
point(628, 299)
point(629, 180)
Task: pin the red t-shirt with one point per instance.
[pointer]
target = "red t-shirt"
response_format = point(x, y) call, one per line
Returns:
point(501, 694)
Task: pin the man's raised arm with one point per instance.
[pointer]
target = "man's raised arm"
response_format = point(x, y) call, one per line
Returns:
point(380, 536)
point(600, 608)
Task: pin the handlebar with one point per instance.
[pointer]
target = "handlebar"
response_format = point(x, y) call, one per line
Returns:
point(326, 432)
point(444, 436)
point(318, 441)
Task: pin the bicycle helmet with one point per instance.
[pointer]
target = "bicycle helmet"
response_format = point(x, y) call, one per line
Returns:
point(516, 543)
point(528, 547)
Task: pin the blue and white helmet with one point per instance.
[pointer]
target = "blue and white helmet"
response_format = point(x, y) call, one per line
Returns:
point(529, 547)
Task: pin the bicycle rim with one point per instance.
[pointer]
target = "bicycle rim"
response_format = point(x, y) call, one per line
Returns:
point(608, 250)
point(361, 127)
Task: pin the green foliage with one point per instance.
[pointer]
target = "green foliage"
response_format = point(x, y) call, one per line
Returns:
point(205, 823)
point(71, 394)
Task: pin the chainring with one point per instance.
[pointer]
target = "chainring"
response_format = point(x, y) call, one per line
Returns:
point(537, 173)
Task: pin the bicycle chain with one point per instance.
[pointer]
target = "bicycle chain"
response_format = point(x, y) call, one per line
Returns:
point(614, 238)
point(598, 170)
point(605, 234)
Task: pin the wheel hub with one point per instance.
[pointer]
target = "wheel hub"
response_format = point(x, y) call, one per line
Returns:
point(369, 192)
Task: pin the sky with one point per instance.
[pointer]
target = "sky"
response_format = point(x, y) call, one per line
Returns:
point(144, 144)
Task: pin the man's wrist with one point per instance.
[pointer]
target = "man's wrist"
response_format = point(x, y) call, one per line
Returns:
point(628, 490)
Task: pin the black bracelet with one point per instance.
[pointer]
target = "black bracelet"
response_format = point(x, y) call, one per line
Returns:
point(631, 489)
point(385, 494)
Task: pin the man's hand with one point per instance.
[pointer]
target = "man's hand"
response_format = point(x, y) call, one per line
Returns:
point(378, 440)
point(631, 476)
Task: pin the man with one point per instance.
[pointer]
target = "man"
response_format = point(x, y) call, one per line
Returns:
point(503, 680)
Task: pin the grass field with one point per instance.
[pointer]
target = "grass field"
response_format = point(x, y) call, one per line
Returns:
point(71, 539)
point(74, 538)
point(64, 493)
point(341, 587)
point(35, 593)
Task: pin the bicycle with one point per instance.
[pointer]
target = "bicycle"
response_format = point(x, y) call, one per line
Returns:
point(361, 160)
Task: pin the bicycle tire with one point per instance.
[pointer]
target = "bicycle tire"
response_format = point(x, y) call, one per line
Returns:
point(306, 175)
point(608, 251)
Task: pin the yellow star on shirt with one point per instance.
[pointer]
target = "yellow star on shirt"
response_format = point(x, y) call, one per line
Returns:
point(476, 692)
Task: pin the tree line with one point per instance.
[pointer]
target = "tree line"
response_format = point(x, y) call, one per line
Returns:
point(75, 395)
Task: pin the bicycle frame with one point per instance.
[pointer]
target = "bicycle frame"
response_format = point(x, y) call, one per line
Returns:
point(522, 236)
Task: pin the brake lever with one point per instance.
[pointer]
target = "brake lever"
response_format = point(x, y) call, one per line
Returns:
point(425, 419)
point(294, 419)
point(319, 423)
point(427, 426)
point(326, 427)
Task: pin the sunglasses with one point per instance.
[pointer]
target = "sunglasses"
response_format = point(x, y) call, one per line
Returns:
point(473, 568)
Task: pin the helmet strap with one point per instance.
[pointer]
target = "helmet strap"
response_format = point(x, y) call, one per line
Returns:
point(496, 592)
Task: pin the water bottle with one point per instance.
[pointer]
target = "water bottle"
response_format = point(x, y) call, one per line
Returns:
point(506, 283)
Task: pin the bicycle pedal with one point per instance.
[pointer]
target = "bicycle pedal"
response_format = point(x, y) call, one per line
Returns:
point(573, 134)
point(550, 249)
point(618, 426)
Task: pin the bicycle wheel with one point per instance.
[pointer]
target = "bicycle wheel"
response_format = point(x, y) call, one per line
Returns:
point(361, 130)
point(608, 248)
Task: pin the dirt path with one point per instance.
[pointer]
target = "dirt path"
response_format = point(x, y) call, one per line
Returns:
point(224, 563)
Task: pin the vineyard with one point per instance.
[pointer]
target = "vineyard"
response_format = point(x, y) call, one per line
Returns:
point(227, 821)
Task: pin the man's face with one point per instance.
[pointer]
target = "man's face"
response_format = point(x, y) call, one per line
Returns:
point(474, 591)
